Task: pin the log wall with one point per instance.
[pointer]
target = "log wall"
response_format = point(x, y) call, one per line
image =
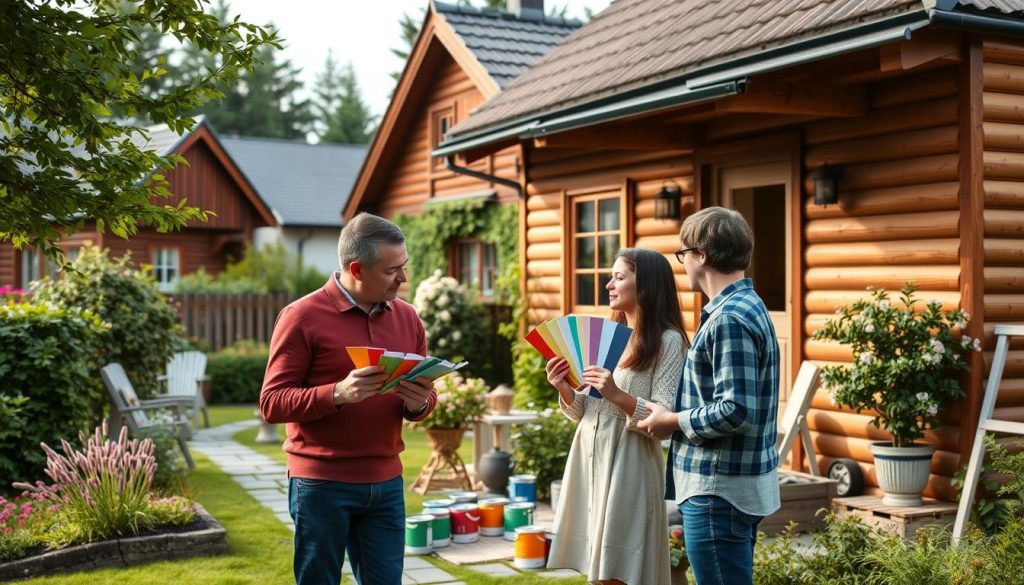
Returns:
point(556, 175)
point(897, 220)
point(1003, 186)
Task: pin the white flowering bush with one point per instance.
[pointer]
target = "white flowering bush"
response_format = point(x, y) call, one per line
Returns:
point(905, 362)
point(457, 328)
point(459, 401)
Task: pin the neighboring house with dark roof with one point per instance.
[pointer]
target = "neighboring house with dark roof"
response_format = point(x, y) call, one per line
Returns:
point(305, 186)
point(462, 57)
point(210, 181)
point(910, 111)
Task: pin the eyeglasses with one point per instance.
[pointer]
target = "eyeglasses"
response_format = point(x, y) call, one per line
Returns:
point(682, 253)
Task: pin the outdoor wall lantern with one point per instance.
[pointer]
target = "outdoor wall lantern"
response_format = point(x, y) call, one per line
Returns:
point(666, 204)
point(826, 185)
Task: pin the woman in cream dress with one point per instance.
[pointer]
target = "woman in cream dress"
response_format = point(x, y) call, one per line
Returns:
point(611, 523)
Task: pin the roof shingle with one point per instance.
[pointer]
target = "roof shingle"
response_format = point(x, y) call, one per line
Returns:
point(304, 184)
point(637, 43)
point(504, 44)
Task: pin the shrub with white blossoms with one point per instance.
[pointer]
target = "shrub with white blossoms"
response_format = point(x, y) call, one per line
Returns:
point(905, 361)
point(457, 328)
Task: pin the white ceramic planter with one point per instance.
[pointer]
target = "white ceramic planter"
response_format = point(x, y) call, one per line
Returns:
point(902, 472)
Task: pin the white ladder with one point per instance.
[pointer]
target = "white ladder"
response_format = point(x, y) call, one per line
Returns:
point(987, 424)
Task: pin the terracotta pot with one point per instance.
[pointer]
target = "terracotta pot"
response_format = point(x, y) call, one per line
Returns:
point(499, 400)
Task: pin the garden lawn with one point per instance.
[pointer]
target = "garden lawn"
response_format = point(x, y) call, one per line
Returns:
point(417, 451)
point(260, 545)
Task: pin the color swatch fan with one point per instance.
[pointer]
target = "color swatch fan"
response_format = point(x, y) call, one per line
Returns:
point(583, 342)
point(402, 366)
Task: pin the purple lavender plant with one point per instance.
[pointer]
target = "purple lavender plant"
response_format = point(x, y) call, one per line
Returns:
point(103, 490)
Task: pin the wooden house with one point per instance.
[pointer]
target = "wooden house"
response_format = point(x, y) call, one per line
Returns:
point(917, 106)
point(462, 57)
point(305, 186)
point(211, 181)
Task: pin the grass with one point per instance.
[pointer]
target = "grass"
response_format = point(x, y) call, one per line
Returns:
point(260, 545)
point(417, 451)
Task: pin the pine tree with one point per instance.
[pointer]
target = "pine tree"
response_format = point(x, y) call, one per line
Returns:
point(346, 117)
point(262, 102)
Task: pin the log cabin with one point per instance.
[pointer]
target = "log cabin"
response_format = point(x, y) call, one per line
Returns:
point(210, 181)
point(462, 57)
point(910, 111)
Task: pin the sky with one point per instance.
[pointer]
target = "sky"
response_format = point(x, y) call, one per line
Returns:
point(357, 31)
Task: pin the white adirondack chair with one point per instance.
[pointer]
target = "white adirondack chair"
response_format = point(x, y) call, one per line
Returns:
point(129, 410)
point(186, 372)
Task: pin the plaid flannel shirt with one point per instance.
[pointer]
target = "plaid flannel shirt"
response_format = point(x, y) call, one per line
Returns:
point(729, 394)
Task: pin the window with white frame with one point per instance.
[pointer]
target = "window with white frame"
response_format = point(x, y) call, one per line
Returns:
point(166, 268)
point(31, 266)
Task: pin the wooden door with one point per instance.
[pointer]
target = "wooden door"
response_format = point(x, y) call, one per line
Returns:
point(763, 194)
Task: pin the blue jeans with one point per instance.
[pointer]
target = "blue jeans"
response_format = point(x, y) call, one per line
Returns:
point(719, 541)
point(365, 519)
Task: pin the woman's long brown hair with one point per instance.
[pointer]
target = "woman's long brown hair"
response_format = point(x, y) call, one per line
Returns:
point(657, 304)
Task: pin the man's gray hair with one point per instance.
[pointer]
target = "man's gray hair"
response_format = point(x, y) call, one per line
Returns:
point(361, 235)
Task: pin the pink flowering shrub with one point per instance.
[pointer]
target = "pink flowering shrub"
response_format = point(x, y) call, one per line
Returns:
point(459, 400)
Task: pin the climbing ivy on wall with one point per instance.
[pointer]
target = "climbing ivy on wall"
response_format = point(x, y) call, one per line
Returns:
point(427, 236)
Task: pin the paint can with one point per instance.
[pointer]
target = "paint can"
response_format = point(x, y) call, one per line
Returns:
point(516, 515)
point(441, 527)
point(523, 486)
point(492, 516)
point(418, 534)
point(529, 547)
point(465, 523)
point(463, 497)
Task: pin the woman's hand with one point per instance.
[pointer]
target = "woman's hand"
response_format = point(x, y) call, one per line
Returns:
point(601, 380)
point(557, 369)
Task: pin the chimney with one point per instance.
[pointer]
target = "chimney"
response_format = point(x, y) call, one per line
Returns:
point(526, 9)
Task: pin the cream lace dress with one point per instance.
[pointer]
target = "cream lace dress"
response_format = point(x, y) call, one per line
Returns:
point(611, 522)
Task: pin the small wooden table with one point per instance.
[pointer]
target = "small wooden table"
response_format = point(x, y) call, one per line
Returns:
point(499, 436)
point(899, 520)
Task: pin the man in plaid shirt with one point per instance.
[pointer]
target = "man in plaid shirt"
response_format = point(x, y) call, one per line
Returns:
point(723, 461)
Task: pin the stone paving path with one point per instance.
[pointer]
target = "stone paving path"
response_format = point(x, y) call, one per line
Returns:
point(265, 480)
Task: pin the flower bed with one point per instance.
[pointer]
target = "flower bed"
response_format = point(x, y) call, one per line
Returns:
point(204, 536)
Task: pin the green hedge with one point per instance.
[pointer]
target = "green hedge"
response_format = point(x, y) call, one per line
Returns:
point(236, 373)
point(48, 382)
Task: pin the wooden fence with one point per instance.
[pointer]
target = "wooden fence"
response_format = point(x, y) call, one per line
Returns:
point(218, 320)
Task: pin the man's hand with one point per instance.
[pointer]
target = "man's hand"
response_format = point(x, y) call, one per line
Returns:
point(661, 423)
point(359, 385)
point(414, 393)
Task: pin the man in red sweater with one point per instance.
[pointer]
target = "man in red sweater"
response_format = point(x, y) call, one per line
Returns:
point(344, 438)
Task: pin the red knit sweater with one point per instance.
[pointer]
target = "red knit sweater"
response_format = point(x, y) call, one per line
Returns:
point(357, 443)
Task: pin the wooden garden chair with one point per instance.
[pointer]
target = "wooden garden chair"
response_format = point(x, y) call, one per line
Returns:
point(128, 409)
point(186, 372)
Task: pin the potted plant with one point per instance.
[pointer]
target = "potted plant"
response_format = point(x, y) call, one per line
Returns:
point(905, 360)
point(459, 401)
point(677, 555)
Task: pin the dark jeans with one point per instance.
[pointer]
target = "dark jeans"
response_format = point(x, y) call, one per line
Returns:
point(719, 541)
point(365, 519)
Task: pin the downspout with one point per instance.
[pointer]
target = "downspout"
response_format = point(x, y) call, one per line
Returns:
point(449, 162)
point(977, 23)
point(302, 244)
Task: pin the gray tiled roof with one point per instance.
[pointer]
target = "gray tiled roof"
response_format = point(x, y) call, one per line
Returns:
point(504, 44)
point(304, 184)
point(635, 44)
